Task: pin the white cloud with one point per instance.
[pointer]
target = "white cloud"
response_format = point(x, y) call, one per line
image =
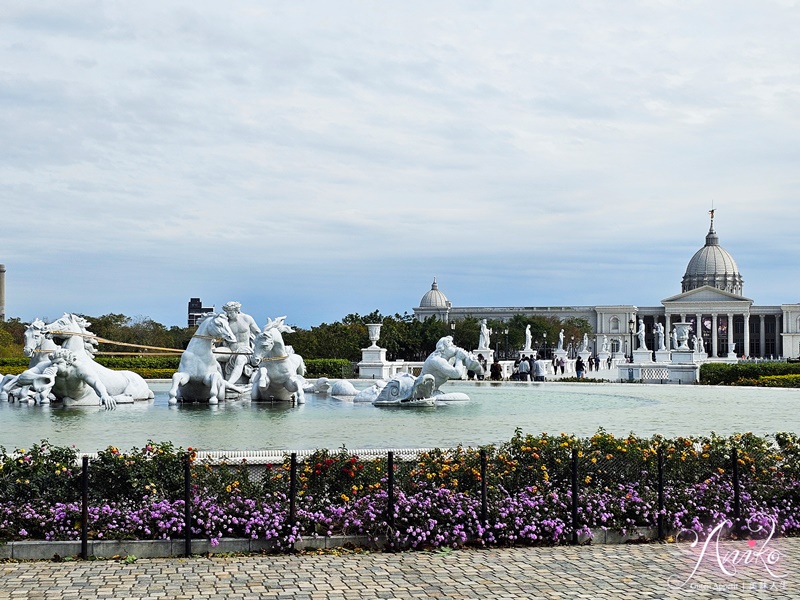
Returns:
point(291, 153)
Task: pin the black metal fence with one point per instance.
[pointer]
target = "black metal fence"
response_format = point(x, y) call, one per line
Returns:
point(578, 472)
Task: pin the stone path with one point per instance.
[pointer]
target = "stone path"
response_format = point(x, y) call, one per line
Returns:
point(625, 571)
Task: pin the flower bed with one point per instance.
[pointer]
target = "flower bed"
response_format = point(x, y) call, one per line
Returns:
point(436, 500)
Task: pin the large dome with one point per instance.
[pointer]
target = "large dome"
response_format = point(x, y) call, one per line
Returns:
point(713, 265)
point(433, 298)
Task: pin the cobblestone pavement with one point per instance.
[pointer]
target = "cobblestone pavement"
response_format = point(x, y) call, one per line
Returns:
point(623, 571)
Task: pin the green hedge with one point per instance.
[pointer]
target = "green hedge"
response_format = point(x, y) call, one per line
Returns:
point(333, 368)
point(747, 373)
point(162, 367)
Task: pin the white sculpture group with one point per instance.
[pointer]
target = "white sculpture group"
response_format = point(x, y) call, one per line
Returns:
point(248, 359)
point(447, 361)
point(62, 369)
point(229, 352)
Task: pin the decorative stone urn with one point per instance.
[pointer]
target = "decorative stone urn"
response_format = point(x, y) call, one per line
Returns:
point(374, 333)
point(682, 333)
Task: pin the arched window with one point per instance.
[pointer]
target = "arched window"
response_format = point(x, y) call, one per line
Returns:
point(614, 324)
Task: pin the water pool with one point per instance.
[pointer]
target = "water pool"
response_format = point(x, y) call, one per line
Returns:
point(495, 411)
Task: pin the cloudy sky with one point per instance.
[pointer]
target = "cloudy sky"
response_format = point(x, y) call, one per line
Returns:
point(317, 158)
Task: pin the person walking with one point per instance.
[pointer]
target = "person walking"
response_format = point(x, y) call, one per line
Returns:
point(580, 367)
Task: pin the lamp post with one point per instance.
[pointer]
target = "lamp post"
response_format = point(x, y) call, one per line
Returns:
point(572, 346)
point(505, 332)
point(545, 344)
point(453, 329)
point(631, 329)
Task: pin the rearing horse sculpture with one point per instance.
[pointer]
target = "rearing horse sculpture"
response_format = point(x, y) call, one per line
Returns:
point(279, 375)
point(37, 346)
point(199, 376)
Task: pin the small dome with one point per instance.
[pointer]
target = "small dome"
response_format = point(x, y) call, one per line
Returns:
point(713, 265)
point(434, 298)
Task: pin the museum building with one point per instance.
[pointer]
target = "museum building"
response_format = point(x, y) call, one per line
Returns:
point(711, 298)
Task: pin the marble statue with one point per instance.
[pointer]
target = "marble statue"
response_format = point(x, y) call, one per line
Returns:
point(659, 332)
point(483, 342)
point(73, 375)
point(73, 379)
point(447, 361)
point(527, 338)
point(36, 346)
point(585, 343)
point(407, 390)
point(199, 376)
point(321, 386)
point(236, 355)
point(674, 337)
point(342, 387)
point(561, 340)
point(698, 345)
point(604, 347)
point(371, 393)
point(280, 371)
point(640, 335)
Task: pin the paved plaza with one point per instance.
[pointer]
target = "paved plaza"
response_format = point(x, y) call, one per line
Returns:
point(620, 571)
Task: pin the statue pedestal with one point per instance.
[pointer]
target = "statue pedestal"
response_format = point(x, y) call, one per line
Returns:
point(642, 356)
point(663, 356)
point(373, 364)
point(585, 354)
point(602, 358)
point(683, 357)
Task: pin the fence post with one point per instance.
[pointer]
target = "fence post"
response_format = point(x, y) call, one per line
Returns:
point(483, 487)
point(293, 490)
point(660, 457)
point(187, 505)
point(575, 496)
point(85, 508)
point(736, 492)
point(390, 489)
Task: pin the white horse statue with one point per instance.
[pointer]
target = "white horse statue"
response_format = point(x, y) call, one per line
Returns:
point(280, 372)
point(70, 373)
point(37, 345)
point(73, 334)
point(199, 377)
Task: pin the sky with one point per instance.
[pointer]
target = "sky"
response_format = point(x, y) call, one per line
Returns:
point(315, 159)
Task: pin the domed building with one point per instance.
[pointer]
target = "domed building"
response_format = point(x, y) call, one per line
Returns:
point(433, 304)
point(713, 265)
point(711, 301)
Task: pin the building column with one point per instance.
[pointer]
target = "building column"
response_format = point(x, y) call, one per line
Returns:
point(746, 334)
point(778, 338)
point(730, 332)
point(714, 350)
point(762, 337)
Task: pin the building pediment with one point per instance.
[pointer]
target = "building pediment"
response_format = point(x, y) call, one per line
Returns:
point(706, 295)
